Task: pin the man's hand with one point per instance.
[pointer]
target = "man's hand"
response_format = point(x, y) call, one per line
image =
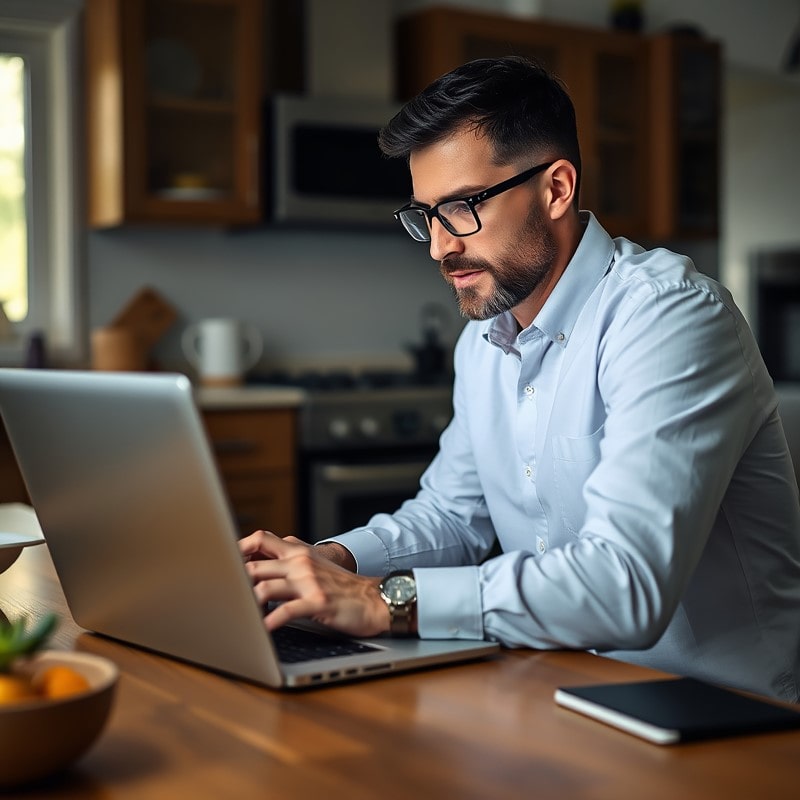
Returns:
point(307, 583)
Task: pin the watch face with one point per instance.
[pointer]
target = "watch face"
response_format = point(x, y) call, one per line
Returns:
point(400, 589)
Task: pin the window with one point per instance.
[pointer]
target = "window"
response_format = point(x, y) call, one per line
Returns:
point(13, 219)
point(39, 206)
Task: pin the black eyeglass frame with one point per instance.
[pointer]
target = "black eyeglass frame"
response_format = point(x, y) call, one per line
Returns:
point(471, 201)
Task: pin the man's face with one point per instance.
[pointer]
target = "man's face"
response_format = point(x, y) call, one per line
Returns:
point(498, 268)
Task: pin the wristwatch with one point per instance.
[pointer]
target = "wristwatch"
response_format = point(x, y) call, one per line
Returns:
point(399, 592)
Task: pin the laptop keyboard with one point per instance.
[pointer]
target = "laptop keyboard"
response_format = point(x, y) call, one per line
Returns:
point(295, 645)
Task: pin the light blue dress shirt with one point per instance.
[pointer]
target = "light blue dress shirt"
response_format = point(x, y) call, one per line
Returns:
point(626, 451)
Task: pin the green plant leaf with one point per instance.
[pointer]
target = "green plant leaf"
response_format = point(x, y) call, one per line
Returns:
point(16, 640)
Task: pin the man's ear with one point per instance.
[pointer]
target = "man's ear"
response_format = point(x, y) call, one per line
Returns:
point(563, 181)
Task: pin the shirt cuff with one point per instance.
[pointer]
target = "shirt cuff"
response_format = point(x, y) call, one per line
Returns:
point(367, 549)
point(449, 603)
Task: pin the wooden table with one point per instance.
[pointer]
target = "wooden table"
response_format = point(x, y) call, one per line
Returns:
point(481, 730)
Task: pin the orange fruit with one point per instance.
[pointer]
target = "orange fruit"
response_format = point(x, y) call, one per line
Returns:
point(15, 688)
point(59, 681)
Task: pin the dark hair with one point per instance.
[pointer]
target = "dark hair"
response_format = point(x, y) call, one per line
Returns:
point(522, 108)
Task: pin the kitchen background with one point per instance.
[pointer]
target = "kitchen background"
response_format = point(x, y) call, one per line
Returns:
point(355, 294)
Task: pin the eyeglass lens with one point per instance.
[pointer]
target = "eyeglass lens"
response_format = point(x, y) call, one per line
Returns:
point(457, 217)
point(416, 223)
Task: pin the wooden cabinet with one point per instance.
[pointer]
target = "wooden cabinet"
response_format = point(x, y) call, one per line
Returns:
point(173, 99)
point(12, 487)
point(614, 79)
point(604, 72)
point(256, 450)
point(685, 118)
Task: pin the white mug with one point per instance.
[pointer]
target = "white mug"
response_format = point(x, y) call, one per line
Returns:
point(222, 350)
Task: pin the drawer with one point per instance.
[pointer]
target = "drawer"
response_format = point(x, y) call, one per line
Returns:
point(263, 502)
point(249, 440)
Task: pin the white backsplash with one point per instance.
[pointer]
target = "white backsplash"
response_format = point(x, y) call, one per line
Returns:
point(320, 298)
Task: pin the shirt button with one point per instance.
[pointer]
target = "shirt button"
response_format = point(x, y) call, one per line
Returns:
point(528, 471)
point(560, 336)
point(540, 545)
point(529, 390)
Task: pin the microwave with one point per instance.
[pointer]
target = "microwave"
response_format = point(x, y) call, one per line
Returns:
point(324, 164)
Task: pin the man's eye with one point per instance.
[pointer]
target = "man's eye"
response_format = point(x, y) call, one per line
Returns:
point(454, 209)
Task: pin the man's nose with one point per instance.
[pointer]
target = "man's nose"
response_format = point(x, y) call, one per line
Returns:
point(443, 243)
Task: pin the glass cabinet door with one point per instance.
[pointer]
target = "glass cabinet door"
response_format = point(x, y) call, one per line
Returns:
point(686, 135)
point(190, 98)
point(615, 132)
point(604, 72)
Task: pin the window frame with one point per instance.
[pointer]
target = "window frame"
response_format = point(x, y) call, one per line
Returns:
point(46, 34)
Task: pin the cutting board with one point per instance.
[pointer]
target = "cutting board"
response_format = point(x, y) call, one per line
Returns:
point(148, 314)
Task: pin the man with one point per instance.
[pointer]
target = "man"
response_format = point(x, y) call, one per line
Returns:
point(615, 427)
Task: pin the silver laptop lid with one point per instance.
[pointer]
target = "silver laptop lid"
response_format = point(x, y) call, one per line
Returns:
point(121, 489)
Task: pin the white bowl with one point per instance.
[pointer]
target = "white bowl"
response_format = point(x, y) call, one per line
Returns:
point(19, 528)
point(40, 737)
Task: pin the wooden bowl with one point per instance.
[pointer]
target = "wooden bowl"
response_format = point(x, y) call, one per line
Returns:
point(40, 737)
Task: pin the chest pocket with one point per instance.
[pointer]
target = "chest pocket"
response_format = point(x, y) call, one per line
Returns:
point(574, 459)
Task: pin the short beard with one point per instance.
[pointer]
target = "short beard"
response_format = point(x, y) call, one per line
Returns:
point(516, 275)
point(509, 290)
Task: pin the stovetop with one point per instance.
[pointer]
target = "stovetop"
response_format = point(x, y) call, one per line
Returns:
point(367, 409)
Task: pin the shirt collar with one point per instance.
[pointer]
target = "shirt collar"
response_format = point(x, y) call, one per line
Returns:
point(591, 261)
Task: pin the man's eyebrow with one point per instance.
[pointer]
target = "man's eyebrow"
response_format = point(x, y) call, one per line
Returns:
point(458, 194)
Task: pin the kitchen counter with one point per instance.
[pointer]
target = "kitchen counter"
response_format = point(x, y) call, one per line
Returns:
point(243, 397)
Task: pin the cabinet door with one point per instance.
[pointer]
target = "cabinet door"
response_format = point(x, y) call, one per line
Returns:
point(173, 100)
point(433, 42)
point(604, 73)
point(255, 451)
point(609, 73)
point(685, 152)
point(249, 441)
point(261, 502)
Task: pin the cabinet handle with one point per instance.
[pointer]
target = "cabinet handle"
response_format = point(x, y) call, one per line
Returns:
point(234, 446)
point(255, 171)
point(340, 474)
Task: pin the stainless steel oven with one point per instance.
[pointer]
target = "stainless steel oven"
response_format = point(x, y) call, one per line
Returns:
point(345, 495)
point(363, 450)
point(365, 440)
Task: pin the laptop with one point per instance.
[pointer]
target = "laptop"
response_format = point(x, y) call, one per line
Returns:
point(122, 478)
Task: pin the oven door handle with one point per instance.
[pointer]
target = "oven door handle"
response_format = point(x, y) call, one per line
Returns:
point(347, 474)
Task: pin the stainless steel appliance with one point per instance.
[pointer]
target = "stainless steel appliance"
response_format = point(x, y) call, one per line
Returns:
point(365, 441)
point(325, 165)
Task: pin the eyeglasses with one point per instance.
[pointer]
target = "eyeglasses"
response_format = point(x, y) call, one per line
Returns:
point(459, 215)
